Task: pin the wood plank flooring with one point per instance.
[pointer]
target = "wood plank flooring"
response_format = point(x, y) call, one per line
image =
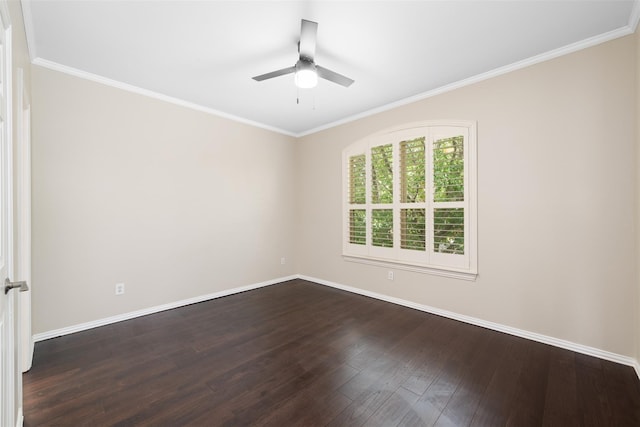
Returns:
point(301, 354)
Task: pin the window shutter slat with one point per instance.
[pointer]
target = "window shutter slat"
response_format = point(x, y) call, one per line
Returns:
point(448, 230)
point(358, 226)
point(448, 169)
point(357, 179)
point(413, 229)
point(382, 174)
point(412, 171)
point(382, 227)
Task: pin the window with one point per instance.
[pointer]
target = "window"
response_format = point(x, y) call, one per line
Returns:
point(410, 199)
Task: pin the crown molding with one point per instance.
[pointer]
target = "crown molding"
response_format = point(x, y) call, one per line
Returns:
point(151, 94)
point(552, 54)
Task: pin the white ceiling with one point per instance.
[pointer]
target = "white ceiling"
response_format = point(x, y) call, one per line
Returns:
point(204, 53)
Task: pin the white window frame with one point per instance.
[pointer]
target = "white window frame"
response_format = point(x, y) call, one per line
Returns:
point(428, 261)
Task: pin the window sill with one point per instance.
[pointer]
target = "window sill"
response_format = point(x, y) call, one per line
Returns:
point(451, 273)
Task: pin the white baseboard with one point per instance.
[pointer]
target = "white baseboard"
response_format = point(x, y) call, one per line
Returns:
point(545, 339)
point(19, 417)
point(146, 311)
point(27, 359)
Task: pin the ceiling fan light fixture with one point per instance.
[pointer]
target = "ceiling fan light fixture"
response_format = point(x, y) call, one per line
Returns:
point(306, 75)
point(306, 72)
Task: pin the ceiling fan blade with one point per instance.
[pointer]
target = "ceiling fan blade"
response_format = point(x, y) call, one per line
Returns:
point(273, 74)
point(333, 76)
point(308, 35)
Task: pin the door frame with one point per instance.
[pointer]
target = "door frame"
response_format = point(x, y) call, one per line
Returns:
point(23, 216)
point(10, 375)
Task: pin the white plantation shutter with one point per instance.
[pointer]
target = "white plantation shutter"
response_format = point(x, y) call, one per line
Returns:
point(412, 194)
point(448, 188)
point(382, 174)
point(449, 197)
point(357, 179)
point(410, 199)
point(448, 167)
point(357, 196)
point(380, 193)
point(358, 226)
point(448, 230)
point(355, 221)
point(413, 229)
point(412, 170)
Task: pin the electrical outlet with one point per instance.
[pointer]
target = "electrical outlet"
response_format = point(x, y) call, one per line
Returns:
point(390, 275)
point(283, 260)
point(119, 288)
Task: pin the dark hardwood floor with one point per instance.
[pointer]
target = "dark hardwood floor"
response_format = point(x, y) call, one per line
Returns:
point(301, 354)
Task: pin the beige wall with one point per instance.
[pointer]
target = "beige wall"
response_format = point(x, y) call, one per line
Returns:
point(556, 200)
point(173, 202)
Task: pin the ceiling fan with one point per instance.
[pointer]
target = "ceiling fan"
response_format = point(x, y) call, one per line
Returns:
point(306, 71)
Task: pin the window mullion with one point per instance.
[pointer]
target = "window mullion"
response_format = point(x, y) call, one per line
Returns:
point(397, 194)
point(367, 164)
point(428, 153)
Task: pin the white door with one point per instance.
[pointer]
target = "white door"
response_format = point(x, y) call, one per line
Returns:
point(10, 379)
